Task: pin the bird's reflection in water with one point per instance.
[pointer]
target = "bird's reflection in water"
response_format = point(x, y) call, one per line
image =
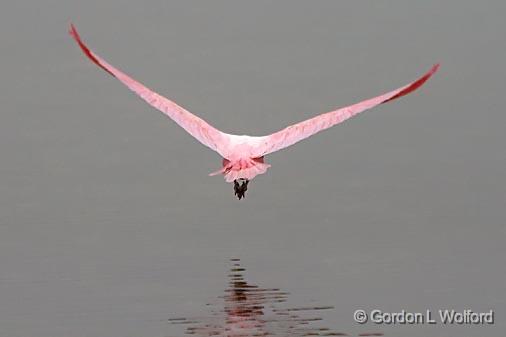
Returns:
point(247, 310)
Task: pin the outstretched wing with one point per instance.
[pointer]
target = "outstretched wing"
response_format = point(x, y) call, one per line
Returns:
point(307, 128)
point(195, 126)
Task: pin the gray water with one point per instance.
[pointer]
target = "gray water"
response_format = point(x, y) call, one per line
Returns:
point(109, 224)
point(247, 309)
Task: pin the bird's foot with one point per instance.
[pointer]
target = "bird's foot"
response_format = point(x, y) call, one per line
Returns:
point(240, 187)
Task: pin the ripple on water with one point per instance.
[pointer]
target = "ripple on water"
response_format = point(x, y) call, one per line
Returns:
point(249, 310)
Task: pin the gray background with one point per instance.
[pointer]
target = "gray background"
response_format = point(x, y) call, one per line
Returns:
point(109, 223)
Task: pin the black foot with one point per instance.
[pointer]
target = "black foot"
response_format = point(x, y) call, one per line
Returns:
point(240, 187)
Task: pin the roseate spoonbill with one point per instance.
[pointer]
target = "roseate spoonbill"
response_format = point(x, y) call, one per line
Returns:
point(243, 156)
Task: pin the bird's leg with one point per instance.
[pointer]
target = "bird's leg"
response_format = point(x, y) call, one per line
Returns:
point(240, 187)
point(237, 189)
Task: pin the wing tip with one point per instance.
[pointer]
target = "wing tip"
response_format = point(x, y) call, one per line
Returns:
point(416, 84)
point(72, 30)
point(75, 35)
point(434, 68)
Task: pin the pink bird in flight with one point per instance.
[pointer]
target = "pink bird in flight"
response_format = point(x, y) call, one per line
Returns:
point(243, 156)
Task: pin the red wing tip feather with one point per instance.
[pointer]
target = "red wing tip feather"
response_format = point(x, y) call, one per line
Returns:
point(432, 70)
point(416, 84)
point(72, 30)
point(75, 35)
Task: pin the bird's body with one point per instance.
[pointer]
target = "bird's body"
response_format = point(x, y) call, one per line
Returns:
point(243, 156)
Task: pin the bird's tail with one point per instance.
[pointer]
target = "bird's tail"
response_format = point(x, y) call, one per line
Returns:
point(242, 169)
